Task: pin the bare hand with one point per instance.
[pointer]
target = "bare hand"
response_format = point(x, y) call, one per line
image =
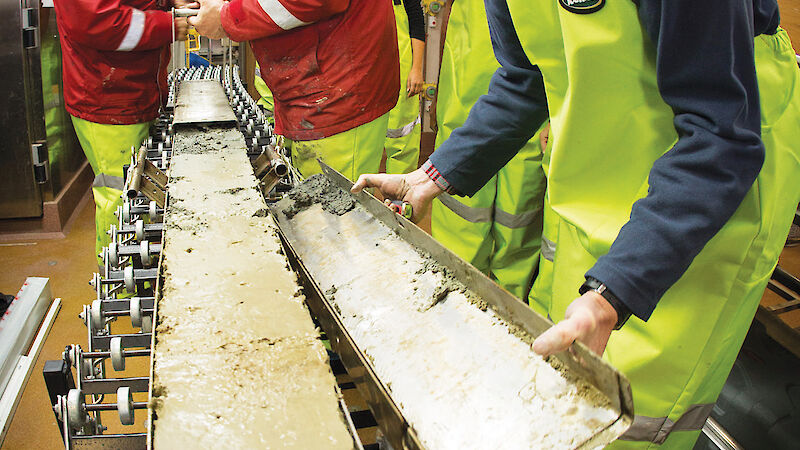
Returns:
point(185, 4)
point(589, 318)
point(181, 29)
point(414, 82)
point(544, 135)
point(415, 188)
point(208, 21)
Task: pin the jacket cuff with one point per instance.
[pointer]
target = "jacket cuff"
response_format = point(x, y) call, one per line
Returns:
point(624, 289)
point(157, 32)
point(437, 178)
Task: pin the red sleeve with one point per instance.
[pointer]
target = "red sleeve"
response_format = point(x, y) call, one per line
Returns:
point(247, 20)
point(109, 25)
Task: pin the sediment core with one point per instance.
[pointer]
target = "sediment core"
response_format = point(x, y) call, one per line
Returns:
point(237, 361)
point(461, 376)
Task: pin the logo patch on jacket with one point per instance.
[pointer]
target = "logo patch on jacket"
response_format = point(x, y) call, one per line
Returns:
point(582, 6)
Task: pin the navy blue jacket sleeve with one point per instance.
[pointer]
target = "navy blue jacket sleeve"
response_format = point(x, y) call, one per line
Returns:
point(706, 74)
point(500, 122)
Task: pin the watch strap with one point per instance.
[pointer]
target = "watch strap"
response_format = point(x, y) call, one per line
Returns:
point(623, 313)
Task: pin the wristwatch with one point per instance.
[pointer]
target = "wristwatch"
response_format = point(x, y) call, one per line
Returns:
point(623, 313)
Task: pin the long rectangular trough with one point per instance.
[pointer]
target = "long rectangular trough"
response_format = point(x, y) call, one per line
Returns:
point(442, 354)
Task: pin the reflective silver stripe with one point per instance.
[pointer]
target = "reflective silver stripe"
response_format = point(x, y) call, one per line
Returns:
point(134, 33)
point(474, 215)
point(258, 71)
point(657, 429)
point(395, 133)
point(548, 249)
point(108, 181)
point(280, 15)
point(517, 220)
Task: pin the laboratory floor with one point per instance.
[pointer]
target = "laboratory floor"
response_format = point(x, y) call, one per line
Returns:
point(69, 263)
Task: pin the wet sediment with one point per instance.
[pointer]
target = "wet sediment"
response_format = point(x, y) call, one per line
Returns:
point(460, 374)
point(238, 362)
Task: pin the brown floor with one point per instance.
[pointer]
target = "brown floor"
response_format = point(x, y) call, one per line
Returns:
point(69, 263)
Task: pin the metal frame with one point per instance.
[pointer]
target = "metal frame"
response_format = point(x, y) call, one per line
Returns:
point(24, 366)
point(23, 129)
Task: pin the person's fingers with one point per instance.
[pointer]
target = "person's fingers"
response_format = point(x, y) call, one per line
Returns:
point(193, 21)
point(558, 338)
point(360, 184)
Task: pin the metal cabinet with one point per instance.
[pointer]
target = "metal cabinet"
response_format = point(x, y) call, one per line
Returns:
point(39, 152)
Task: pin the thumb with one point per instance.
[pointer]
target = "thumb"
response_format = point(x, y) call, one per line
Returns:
point(558, 338)
point(360, 184)
point(192, 21)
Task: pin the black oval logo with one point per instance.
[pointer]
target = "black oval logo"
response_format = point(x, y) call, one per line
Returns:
point(582, 6)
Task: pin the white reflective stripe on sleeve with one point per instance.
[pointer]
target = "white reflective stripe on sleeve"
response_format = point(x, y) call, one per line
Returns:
point(280, 15)
point(134, 33)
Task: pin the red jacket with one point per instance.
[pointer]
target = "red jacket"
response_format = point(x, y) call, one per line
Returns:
point(331, 65)
point(115, 56)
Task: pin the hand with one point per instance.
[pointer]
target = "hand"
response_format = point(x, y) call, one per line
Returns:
point(181, 29)
point(589, 318)
point(544, 136)
point(414, 82)
point(415, 188)
point(208, 21)
point(185, 4)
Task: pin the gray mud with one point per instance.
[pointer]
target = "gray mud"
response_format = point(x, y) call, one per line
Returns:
point(448, 284)
point(237, 361)
point(318, 189)
point(200, 139)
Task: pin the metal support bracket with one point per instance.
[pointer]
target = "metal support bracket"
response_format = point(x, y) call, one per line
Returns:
point(30, 27)
point(41, 166)
point(269, 168)
point(147, 179)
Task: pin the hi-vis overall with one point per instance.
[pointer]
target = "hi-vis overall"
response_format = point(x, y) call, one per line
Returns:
point(498, 229)
point(678, 361)
point(402, 137)
point(108, 148)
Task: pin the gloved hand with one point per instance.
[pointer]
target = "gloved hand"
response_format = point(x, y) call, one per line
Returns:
point(208, 21)
point(415, 188)
point(589, 318)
